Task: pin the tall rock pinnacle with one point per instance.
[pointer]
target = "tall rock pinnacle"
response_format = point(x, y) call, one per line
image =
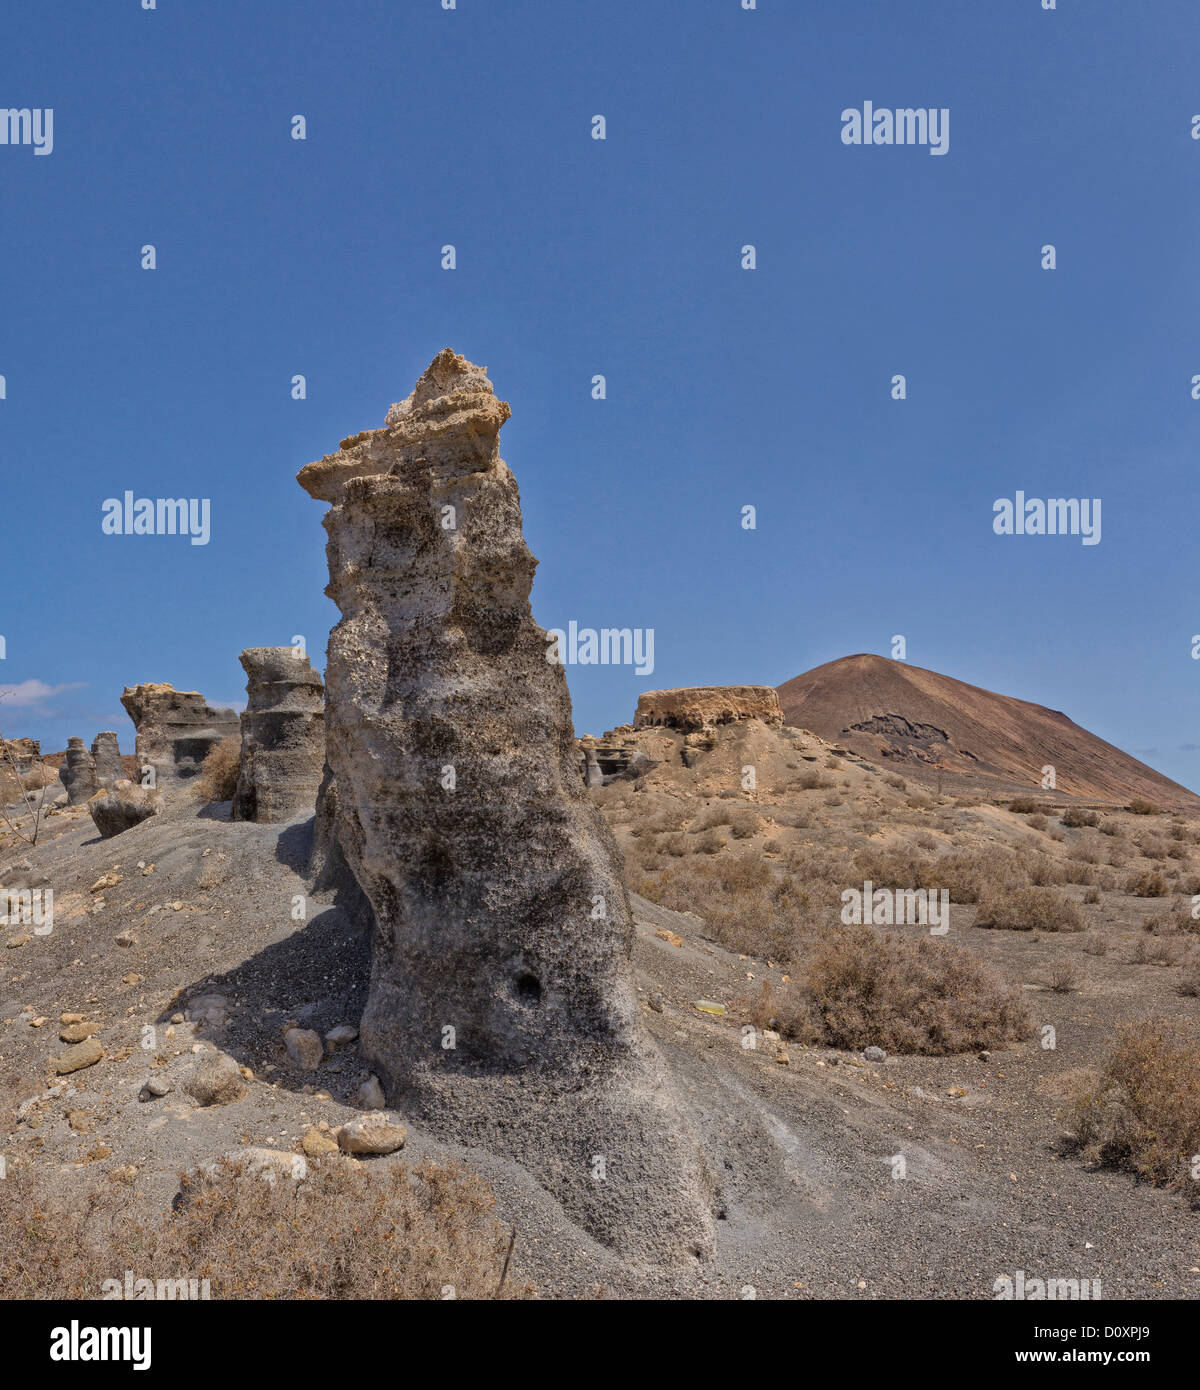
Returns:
point(501, 1010)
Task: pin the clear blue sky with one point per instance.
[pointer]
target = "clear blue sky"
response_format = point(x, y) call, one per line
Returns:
point(726, 387)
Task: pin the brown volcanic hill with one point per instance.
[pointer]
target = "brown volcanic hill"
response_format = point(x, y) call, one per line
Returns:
point(931, 726)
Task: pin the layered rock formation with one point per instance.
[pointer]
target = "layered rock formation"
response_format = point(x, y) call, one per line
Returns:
point(501, 1009)
point(175, 730)
point(703, 706)
point(283, 736)
point(123, 805)
point(24, 752)
point(106, 754)
point(78, 772)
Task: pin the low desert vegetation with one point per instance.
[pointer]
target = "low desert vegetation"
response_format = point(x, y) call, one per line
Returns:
point(219, 772)
point(1076, 818)
point(399, 1233)
point(1141, 1111)
point(1140, 807)
point(1030, 909)
point(864, 987)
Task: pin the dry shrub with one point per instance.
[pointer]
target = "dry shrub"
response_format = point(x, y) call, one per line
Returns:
point(1030, 909)
point(393, 1233)
point(1063, 978)
point(967, 877)
point(1147, 883)
point(893, 780)
point(1155, 950)
point(744, 824)
point(1092, 895)
point(1075, 818)
point(708, 842)
point(904, 994)
point(1037, 822)
point(1141, 807)
point(1024, 805)
point(748, 904)
point(1142, 1112)
point(219, 771)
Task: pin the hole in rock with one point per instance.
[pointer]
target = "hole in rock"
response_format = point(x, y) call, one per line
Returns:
point(529, 989)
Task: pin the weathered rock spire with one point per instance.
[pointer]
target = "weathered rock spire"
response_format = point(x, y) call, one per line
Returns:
point(501, 1010)
point(283, 736)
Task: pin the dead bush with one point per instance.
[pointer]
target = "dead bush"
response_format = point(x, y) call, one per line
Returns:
point(219, 772)
point(1063, 978)
point(1141, 807)
point(1024, 805)
point(1146, 883)
point(904, 994)
point(342, 1233)
point(1030, 909)
point(1142, 1111)
point(1076, 817)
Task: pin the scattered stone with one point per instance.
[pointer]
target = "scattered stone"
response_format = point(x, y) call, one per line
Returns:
point(210, 1009)
point(370, 1094)
point(782, 1057)
point(956, 1091)
point(123, 805)
point(80, 1121)
point(155, 1087)
point(77, 1032)
point(985, 1056)
point(283, 736)
point(71, 1018)
point(670, 937)
point(128, 937)
point(216, 1081)
point(341, 1036)
point(371, 1134)
point(304, 1047)
point(875, 1054)
point(21, 939)
point(706, 1006)
point(109, 880)
point(84, 1054)
point(656, 1001)
point(315, 1143)
point(270, 1162)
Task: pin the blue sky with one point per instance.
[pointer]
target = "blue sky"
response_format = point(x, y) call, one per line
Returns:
point(726, 387)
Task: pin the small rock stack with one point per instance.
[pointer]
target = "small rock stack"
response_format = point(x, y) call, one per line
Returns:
point(78, 772)
point(283, 736)
point(106, 754)
point(175, 731)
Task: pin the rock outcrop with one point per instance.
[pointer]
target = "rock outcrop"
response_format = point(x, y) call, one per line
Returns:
point(78, 772)
point(175, 730)
point(704, 706)
point(122, 806)
point(283, 736)
point(106, 754)
point(24, 752)
point(501, 1010)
